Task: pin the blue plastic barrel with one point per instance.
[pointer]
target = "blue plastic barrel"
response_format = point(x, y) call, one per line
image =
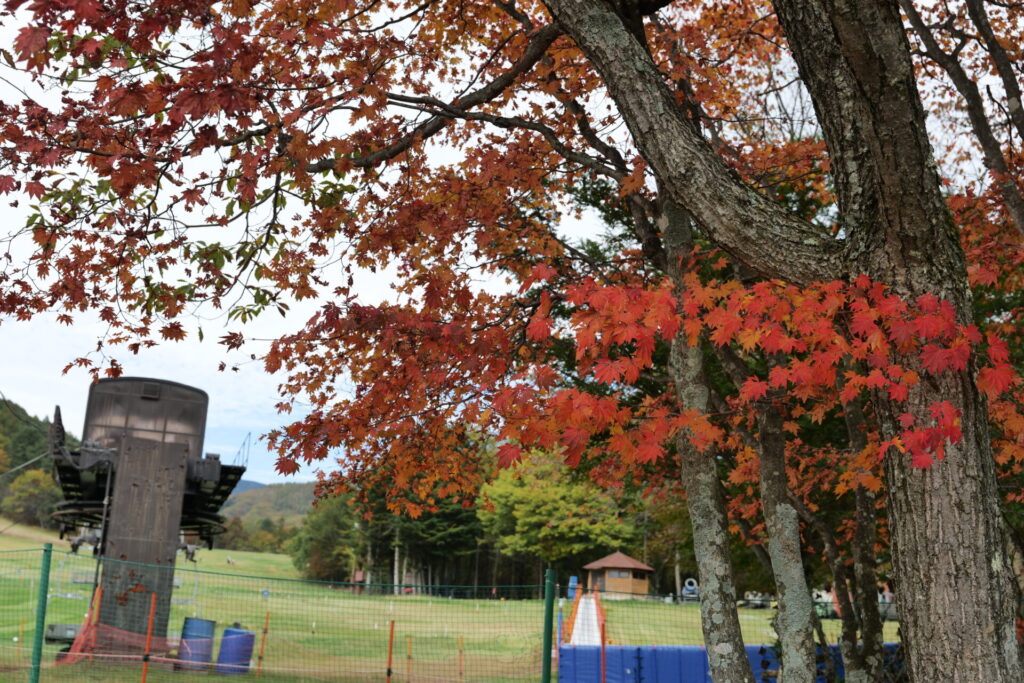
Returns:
point(196, 647)
point(235, 651)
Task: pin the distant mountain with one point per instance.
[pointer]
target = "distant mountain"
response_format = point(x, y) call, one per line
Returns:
point(245, 485)
point(22, 437)
point(274, 501)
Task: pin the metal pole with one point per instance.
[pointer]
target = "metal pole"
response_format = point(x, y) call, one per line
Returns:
point(391, 647)
point(93, 620)
point(408, 658)
point(149, 636)
point(461, 662)
point(263, 645)
point(549, 617)
point(44, 588)
point(103, 530)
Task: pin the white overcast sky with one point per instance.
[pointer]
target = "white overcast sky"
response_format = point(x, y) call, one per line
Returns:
point(33, 354)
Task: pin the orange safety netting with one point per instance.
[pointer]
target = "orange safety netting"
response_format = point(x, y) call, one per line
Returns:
point(101, 641)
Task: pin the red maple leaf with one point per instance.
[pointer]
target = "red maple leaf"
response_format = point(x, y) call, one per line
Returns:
point(753, 389)
point(996, 379)
point(30, 40)
point(607, 371)
point(935, 359)
point(509, 454)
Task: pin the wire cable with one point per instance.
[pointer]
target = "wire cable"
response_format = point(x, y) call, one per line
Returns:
point(24, 464)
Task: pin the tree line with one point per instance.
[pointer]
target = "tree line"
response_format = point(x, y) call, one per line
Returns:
point(522, 522)
point(28, 494)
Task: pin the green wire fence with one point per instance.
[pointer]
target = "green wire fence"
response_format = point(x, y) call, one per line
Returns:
point(57, 625)
point(68, 617)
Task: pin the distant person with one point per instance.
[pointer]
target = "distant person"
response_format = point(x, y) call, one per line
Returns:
point(886, 602)
point(829, 605)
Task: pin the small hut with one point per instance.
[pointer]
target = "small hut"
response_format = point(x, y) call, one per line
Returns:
point(618, 576)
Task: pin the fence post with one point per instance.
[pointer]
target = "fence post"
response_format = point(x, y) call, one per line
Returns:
point(391, 647)
point(263, 645)
point(549, 617)
point(149, 636)
point(44, 589)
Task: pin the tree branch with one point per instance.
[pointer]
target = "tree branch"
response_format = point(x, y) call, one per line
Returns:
point(539, 43)
point(968, 89)
point(748, 225)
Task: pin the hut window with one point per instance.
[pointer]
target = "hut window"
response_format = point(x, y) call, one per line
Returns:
point(638, 575)
point(618, 574)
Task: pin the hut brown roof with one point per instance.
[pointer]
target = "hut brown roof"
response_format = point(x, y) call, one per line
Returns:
point(617, 560)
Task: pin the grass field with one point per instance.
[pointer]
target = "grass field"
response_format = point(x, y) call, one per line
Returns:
point(318, 632)
point(648, 622)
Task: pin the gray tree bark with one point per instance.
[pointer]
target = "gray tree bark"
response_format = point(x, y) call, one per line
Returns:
point(396, 562)
point(796, 611)
point(796, 622)
point(719, 619)
point(678, 576)
point(854, 58)
point(865, 578)
point(952, 567)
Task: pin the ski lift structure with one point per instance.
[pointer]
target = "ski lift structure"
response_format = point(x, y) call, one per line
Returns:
point(138, 482)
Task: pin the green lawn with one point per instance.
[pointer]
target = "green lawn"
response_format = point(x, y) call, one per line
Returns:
point(21, 537)
point(648, 622)
point(318, 632)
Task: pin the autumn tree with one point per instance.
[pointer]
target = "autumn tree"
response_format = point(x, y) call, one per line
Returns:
point(537, 511)
point(245, 154)
point(31, 499)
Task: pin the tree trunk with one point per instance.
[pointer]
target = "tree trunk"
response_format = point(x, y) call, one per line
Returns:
point(842, 583)
point(395, 568)
point(795, 619)
point(719, 619)
point(494, 568)
point(865, 578)
point(947, 532)
point(476, 570)
point(951, 564)
point(856, 593)
point(368, 579)
point(954, 592)
point(679, 579)
point(405, 569)
point(830, 662)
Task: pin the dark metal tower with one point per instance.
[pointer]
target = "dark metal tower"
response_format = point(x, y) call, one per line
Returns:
point(141, 479)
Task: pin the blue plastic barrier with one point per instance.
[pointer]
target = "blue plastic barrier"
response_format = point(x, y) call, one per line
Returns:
point(196, 646)
point(235, 651)
point(579, 663)
point(622, 664)
point(666, 663)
